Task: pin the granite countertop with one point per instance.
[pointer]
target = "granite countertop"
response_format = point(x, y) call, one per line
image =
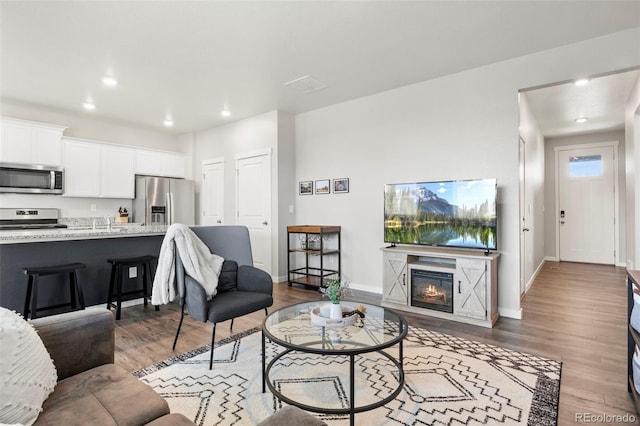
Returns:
point(118, 230)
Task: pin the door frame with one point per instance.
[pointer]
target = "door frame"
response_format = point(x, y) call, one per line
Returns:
point(616, 193)
point(522, 209)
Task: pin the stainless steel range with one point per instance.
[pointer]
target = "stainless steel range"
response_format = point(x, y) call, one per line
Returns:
point(16, 219)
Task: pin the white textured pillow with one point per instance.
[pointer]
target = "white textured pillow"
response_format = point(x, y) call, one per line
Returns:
point(27, 373)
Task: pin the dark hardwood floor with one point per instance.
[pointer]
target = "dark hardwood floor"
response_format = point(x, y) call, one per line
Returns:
point(575, 313)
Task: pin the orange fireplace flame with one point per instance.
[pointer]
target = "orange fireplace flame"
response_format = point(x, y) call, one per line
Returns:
point(431, 294)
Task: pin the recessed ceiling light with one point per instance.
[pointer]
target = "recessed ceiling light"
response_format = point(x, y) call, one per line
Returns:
point(109, 81)
point(168, 122)
point(225, 113)
point(581, 82)
point(581, 120)
point(89, 106)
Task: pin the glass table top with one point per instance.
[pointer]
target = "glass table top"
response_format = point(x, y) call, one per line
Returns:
point(292, 327)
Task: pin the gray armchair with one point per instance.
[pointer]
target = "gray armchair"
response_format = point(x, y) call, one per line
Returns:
point(242, 288)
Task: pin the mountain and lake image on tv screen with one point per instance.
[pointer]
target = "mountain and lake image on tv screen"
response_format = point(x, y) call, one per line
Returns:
point(448, 213)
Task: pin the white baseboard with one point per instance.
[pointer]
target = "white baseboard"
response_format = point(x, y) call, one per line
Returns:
point(533, 277)
point(365, 288)
point(510, 313)
point(557, 259)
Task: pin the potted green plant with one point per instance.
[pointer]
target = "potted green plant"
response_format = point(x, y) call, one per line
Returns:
point(335, 290)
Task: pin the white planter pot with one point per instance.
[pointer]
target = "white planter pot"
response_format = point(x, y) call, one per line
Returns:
point(336, 311)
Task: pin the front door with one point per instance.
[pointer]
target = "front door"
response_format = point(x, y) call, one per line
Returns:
point(254, 204)
point(586, 211)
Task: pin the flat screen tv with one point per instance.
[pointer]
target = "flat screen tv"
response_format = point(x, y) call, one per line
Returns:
point(459, 213)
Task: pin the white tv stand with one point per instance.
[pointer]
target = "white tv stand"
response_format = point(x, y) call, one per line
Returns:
point(475, 281)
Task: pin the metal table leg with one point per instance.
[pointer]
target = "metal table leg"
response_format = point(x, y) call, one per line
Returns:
point(263, 364)
point(352, 390)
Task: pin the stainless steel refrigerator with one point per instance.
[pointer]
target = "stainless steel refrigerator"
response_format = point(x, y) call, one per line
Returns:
point(164, 201)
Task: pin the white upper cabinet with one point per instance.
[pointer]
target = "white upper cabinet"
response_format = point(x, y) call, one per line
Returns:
point(117, 179)
point(160, 163)
point(29, 142)
point(94, 169)
point(81, 169)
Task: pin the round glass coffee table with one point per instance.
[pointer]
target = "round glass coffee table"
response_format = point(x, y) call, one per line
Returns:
point(292, 330)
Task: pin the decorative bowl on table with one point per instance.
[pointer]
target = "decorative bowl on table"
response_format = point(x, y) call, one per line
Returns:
point(320, 316)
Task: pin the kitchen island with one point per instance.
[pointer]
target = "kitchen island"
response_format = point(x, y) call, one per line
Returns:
point(20, 249)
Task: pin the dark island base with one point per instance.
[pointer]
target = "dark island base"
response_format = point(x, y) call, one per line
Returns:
point(54, 290)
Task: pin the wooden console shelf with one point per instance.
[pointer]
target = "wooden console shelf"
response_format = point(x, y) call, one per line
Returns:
point(475, 281)
point(310, 248)
point(633, 337)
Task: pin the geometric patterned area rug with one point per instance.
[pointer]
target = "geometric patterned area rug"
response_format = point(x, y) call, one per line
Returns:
point(448, 381)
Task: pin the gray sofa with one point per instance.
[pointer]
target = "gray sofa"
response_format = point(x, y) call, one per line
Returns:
point(91, 389)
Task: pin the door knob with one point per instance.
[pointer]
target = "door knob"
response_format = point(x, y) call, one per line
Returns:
point(562, 222)
point(525, 229)
point(219, 221)
point(265, 223)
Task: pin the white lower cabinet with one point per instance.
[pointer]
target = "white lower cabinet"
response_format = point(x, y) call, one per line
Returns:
point(473, 289)
point(395, 278)
point(98, 170)
point(470, 287)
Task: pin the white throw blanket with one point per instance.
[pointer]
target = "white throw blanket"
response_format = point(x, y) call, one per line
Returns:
point(199, 263)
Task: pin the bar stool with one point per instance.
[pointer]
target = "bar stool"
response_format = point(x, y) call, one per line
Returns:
point(35, 273)
point(120, 266)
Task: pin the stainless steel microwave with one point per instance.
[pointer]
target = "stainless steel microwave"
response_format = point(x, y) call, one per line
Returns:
point(24, 178)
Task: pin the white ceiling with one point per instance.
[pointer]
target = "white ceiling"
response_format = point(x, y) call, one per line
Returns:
point(602, 102)
point(188, 60)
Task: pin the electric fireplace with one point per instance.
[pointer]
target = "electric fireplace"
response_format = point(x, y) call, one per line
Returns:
point(432, 290)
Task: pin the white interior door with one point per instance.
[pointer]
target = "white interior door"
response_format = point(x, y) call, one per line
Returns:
point(212, 193)
point(586, 204)
point(253, 195)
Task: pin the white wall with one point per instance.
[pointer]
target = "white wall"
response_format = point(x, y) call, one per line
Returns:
point(287, 189)
point(228, 141)
point(550, 187)
point(86, 126)
point(187, 143)
point(459, 126)
point(534, 179)
point(632, 163)
point(273, 131)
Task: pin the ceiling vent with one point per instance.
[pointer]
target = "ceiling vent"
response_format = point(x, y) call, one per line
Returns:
point(306, 84)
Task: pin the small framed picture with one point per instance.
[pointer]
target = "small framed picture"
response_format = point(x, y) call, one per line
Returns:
point(306, 188)
point(322, 186)
point(340, 185)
